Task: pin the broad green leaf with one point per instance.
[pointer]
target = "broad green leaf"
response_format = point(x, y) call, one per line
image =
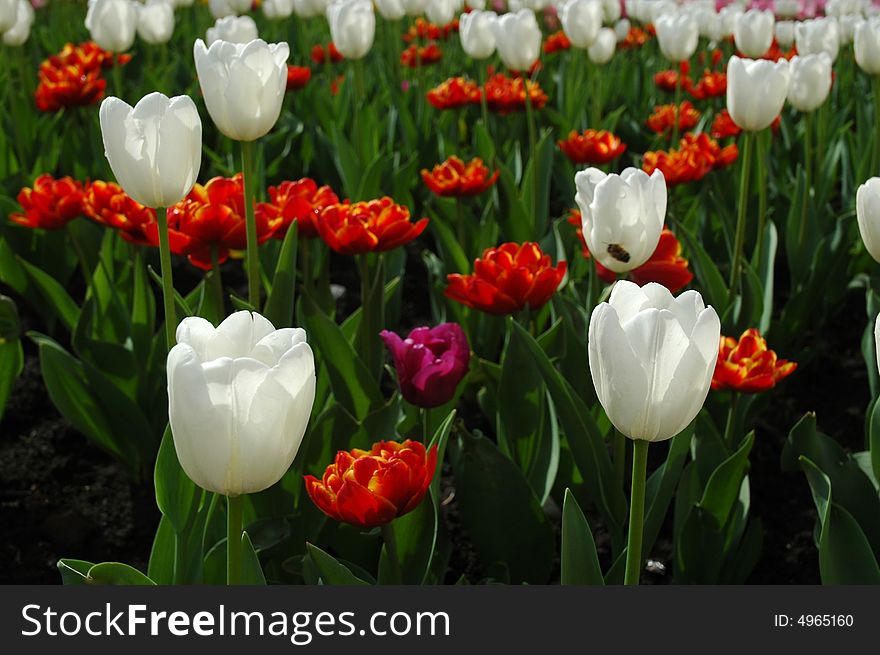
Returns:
point(74, 571)
point(116, 573)
point(332, 571)
point(177, 496)
point(280, 303)
point(580, 563)
point(251, 571)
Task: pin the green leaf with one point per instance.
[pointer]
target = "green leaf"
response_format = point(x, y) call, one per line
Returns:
point(161, 565)
point(873, 440)
point(332, 571)
point(845, 556)
point(280, 303)
point(722, 490)
point(177, 496)
point(580, 563)
point(714, 287)
point(251, 571)
point(661, 486)
point(74, 571)
point(11, 365)
point(353, 386)
point(54, 294)
point(117, 574)
point(501, 513)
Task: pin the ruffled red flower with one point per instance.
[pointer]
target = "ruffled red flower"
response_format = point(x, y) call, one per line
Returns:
point(298, 77)
point(86, 56)
point(68, 86)
point(369, 488)
point(373, 226)
point(667, 80)
point(556, 42)
point(321, 55)
point(508, 94)
point(301, 201)
point(723, 126)
point(508, 279)
point(635, 38)
point(50, 204)
point(414, 56)
point(211, 216)
point(713, 84)
point(454, 93)
point(108, 204)
point(591, 146)
point(748, 365)
point(455, 178)
point(663, 118)
point(427, 31)
point(696, 156)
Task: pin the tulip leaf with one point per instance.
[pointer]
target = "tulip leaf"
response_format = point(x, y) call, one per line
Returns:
point(723, 487)
point(583, 437)
point(161, 565)
point(714, 287)
point(512, 215)
point(280, 302)
point(251, 571)
point(54, 295)
point(177, 496)
point(661, 486)
point(450, 247)
point(11, 365)
point(580, 563)
point(353, 386)
point(873, 439)
point(765, 270)
point(332, 571)
point(74, 571)
point(536, 182)
point(117, 574)
point(500, 512)
point(845, 556)
point(441, 439)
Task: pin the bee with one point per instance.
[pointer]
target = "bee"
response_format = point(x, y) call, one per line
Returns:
point(618, 252)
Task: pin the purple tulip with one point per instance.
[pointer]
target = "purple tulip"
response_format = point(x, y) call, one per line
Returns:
point(430, 362)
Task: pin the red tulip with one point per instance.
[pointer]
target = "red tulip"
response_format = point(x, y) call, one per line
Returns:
point(455, 178)
point(374, 226)
point(50, 204)
point(747, 365)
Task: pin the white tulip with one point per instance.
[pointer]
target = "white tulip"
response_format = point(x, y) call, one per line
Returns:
point(810, 81)
point(652, 357)
point(866, 46)
point(476, 5)
point(786, 8)
point(753, 32)
point(839, 8)
point(154, 148)
point(475, 32)
point(621, 29)
point(846, 26)
point(239, 400)
point(352, 27)
point(868, 215)
point(18, 34)
point(602, 50)
point(818, 35)
point(612, 11)
point(756, 91)
point(784, 32)
point(112, 24)
point(728, 16)
point(243, 85)
point(223, 8)
point(391, 9)
point(677, 35)
point(234, 29)
point(310, 8)
point(415, 8)
point(518, 39)
point(155, 23)
point(622, 215)
point(277, 9)
point(657, 8)
point(8, 14)
point(581, 21)
point(441, 12)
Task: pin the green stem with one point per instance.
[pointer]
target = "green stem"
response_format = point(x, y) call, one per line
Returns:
point(736, 266)
point(808, 171)
point(731, 422)
point(80, 256)
point(233, 540)
point(459, 217)
point(875, 160)
point(167, 280)
point(530, 119)
point(253, 256)
point(216, 282)
point(358, 99)
point(117, 78)
point(760, 169)
point(484, 105)
point(676, 119)
point(619, 446)
point(636, 513)
point(426, 432)
point(366, 312)
point(596, 92)
point(391, 549)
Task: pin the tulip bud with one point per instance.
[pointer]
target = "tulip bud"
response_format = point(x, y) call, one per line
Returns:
point(652, 357)
point(310, 8)
point(430, 362)
point(621, 29)
point(866, 46)
point(612, 11)
point(352, 27)
point(155, 23)
point(112, 24)
point(728, 17)
point(846, 26)
point(818, 35)
point(441, 12)
point(415, 8)
point(786, 8)
point(155, 148)
point(868, 215)
point(475, 32)
point(518, 39)
point(841, 8)
point(753, 32)
point(277, 9)
point(8, 14)
point(622, 215)
point(18, 34)
point(677, 35)
point(756, 91)
point(391, 9)
point(603, 47)
point(223, 8)
point(243, 85)
point(581, 20)
point(810, 81)
point(234, 29)
point(784, 32)
point(239, 400)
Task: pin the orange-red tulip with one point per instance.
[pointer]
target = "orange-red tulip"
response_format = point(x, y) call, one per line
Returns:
point(455, 178)
point(300, 201)
point(50, 204)
point(108, 204)
point(748, 365)
point(454, 93)
point(373, 226)
point(595, 147)
point(663, 118)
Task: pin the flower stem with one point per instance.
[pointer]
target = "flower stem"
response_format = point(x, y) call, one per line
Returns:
point(117, 78)
point(619, 457)
point(736, 266)
point(484, 104)
point(530, 119)
point(391, 549)
point(636, 513)
point(675, 111)
point(426, 426)
point(253, 256)
point(731, 422)
point(761, 170)
point(216, 282)
point(233, 540)
point(875, 159)
point(808, 171)
point(596, 92)
point(167, 280)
